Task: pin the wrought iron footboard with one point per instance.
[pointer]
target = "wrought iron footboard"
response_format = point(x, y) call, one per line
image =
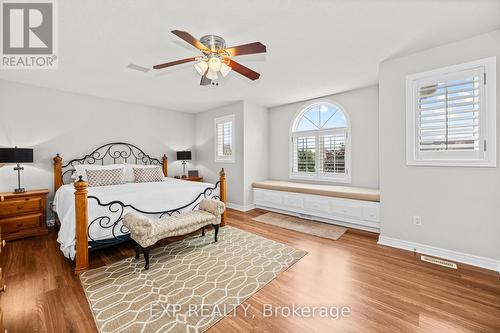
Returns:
point(117, 209)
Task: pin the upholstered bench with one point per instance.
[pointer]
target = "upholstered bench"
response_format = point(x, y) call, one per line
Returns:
point(146, 231)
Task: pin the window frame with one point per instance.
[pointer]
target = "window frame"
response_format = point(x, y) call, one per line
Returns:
point(485, 157)
point(317, 175)
point(220, 120)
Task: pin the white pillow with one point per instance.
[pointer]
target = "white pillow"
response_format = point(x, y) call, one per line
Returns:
point(129, 171)
point(81, 168)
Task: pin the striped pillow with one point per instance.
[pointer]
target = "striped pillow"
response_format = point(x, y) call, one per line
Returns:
point(148, 175)
point(105, 177)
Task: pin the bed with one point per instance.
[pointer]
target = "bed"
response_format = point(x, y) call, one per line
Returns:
point(90, 218)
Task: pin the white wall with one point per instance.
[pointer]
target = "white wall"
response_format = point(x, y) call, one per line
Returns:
point(256, 143)
point(251, 141)
point(362, 107)
point(460, 206)
point(52, 121)
point(205, 150)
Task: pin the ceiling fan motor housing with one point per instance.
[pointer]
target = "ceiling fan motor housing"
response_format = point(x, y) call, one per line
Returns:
point(213, 42)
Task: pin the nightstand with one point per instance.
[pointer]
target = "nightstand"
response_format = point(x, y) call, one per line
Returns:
point(192, 178)
point(23, 214)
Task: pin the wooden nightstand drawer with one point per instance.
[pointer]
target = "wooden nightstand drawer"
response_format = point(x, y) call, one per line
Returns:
point(16, 224)
point(21, 206)
point(23, 214)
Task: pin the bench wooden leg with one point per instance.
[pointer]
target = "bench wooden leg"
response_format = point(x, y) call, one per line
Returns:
point(216, 227)
point(146, 256)
point(203, 231)
point(137, 249)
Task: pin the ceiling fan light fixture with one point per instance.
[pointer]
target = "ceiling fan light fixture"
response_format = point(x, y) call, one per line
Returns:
point(212, 75)
point(214, 63)
point(224, 69)
point(201, 67)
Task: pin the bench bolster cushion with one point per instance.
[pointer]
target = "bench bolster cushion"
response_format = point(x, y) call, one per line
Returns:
point(214, 207)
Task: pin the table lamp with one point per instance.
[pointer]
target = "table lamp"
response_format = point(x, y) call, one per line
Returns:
point(184, 156)
point(17, 155)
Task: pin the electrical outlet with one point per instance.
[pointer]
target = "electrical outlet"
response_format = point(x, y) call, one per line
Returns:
point(417, 220)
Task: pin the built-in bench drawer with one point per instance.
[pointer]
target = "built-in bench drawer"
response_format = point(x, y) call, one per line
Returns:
point(293, 201)
point(346, 209)
point(317, 205)
point(371, 213)
point(267, 197)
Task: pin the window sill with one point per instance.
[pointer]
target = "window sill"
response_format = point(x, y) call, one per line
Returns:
point(453, 163)
point(225, 161)
point(341, 180)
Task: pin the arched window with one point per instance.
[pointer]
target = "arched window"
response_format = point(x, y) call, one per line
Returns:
point(320, 144)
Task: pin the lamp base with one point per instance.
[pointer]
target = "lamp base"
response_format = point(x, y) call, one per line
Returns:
point(20, 190)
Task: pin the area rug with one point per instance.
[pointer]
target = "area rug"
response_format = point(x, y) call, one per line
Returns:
point(314, 228)
point(190, 285)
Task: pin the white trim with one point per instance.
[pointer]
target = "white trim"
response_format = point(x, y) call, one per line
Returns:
point(223, 119)
point(465, 258)
point(346, 179)
point(487, 121)
point(240, 208)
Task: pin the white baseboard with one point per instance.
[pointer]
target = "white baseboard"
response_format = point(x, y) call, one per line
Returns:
point(465, 258)
point(241, 208)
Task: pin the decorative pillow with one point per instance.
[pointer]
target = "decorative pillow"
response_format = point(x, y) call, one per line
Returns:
point(129, 170)
point(80, 169)
point(148, 175)
point(105, 177)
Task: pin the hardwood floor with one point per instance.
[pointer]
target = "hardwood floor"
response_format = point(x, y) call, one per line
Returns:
point(387, 290)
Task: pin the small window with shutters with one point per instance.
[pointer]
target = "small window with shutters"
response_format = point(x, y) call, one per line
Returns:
point(451, 115)
point(224, 139)
point(320, 148)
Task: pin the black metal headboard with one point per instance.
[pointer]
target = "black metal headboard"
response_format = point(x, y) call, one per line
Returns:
point(111, 153)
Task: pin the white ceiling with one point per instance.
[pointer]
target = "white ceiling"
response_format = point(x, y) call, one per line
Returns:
point(314, 47)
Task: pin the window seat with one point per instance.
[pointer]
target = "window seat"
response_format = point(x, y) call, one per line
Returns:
point(353, 207)
point(346, 192)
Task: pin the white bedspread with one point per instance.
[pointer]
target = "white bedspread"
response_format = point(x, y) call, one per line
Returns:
point(160, 196)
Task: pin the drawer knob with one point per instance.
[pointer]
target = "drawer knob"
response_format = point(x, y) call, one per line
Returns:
point(3, 243)
point(4, 288)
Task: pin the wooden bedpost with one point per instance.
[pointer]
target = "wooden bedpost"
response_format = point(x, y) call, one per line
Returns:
point(81, 231)
point(164, 165)
point(222, 189)
point(57, 172)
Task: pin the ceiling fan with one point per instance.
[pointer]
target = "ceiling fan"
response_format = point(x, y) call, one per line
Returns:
point(216, 57)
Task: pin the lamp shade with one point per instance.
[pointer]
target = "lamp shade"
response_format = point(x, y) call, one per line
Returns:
point(16, 155)
point(201, 67)
point(184, 155)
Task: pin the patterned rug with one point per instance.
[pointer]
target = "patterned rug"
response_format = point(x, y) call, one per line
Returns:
point(320, 229)
point(190, 285)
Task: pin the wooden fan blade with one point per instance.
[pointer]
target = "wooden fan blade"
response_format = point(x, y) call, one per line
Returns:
point(205, 81)
point(251, 48)
point(186, 36)
point(245, 71)
point(173, 63)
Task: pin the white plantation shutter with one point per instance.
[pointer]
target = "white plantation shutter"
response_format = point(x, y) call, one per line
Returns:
point(449, 113)
point(320, 145)
point(224, 139)
point(304, 159)
point(332, 153)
